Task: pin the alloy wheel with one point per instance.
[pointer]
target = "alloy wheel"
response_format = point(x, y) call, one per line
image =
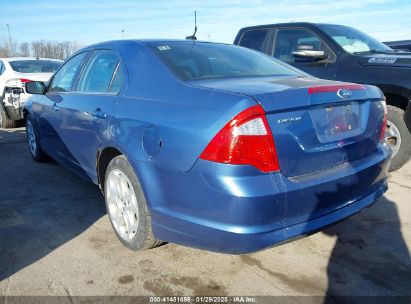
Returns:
point(122, 204)
point(393, 137)
point(31, 138)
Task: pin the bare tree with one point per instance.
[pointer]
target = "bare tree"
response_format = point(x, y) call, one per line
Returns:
point(54, 49)
point(39, 48)
point(24, 49)
point(35, 48)
point(4, 48)
point(8, 48)
point(4, 52)
point(14, 49)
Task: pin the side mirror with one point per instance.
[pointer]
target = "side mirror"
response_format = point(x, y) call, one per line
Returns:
point(306, 51)
point(35, 87)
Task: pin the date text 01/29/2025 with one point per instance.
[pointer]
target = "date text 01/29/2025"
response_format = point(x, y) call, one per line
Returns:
point(203, 299)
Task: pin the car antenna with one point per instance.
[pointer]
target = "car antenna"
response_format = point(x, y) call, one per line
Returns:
point(193, 36)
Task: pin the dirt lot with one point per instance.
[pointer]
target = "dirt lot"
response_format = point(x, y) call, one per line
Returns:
point(55, 239)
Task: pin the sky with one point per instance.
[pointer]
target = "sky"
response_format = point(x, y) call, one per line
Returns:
point(91, 21)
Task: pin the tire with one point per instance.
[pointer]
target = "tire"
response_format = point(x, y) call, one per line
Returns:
point(33, 142)
point(398, 137)
point(126, 206)
point(5, 122)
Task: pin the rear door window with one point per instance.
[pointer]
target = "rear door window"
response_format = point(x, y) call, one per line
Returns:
point(118, 80)
point(255, 39)
point(102, 73)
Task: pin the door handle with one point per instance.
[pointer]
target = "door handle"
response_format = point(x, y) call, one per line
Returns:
point(55, 107)
point(99, 114)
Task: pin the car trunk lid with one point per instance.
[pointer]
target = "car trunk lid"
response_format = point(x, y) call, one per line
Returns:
point(316, 124)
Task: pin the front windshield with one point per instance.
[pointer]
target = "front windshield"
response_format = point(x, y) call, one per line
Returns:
point(354, 41)
point(198, 60)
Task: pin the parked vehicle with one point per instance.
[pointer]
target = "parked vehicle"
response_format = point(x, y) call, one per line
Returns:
point(210, 145)
point(14, 73)
point(343, 53)
point(403, 45)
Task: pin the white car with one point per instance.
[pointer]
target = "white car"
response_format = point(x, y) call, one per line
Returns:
point(14, 73)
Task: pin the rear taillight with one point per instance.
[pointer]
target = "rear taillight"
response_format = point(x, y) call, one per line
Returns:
point(245, 140)
point(384, 124)
point(17, 82)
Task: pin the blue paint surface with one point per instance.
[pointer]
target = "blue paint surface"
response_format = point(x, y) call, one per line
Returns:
point(162, 124)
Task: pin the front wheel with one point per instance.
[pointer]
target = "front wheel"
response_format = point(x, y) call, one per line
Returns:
point(126, 206)
point(33, 142)
point(398, 137)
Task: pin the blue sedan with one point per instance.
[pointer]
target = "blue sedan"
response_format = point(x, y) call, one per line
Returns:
point(210, 145)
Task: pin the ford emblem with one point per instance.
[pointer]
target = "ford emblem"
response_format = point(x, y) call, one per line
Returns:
point(343, 93)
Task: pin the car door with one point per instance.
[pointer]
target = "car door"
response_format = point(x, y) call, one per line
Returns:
point(48, 106)
point(85, 113)
point(286, 41)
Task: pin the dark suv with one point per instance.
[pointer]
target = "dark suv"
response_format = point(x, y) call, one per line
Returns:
point(343, 53)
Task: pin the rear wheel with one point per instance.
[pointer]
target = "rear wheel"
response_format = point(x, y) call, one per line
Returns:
point(33, 142)
point(398, 137)
point(127, 207)
point(5, 122)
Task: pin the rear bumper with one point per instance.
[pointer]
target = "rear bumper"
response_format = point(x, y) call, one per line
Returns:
point(236, 209)
point(214, 239)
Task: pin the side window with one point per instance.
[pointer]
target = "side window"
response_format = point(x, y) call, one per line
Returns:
point(63, 79)
point(1, 68)
point(118, 80)
point(99, 71)
point(287, 40)
point(254, 39)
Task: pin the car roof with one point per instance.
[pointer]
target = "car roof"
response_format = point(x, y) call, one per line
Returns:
point(145, 41)
point(9, 59)
point(302, 24)
point(128, 42)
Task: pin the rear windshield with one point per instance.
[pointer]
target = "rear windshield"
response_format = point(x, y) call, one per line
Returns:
point(198, 60)
point(35, 66)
